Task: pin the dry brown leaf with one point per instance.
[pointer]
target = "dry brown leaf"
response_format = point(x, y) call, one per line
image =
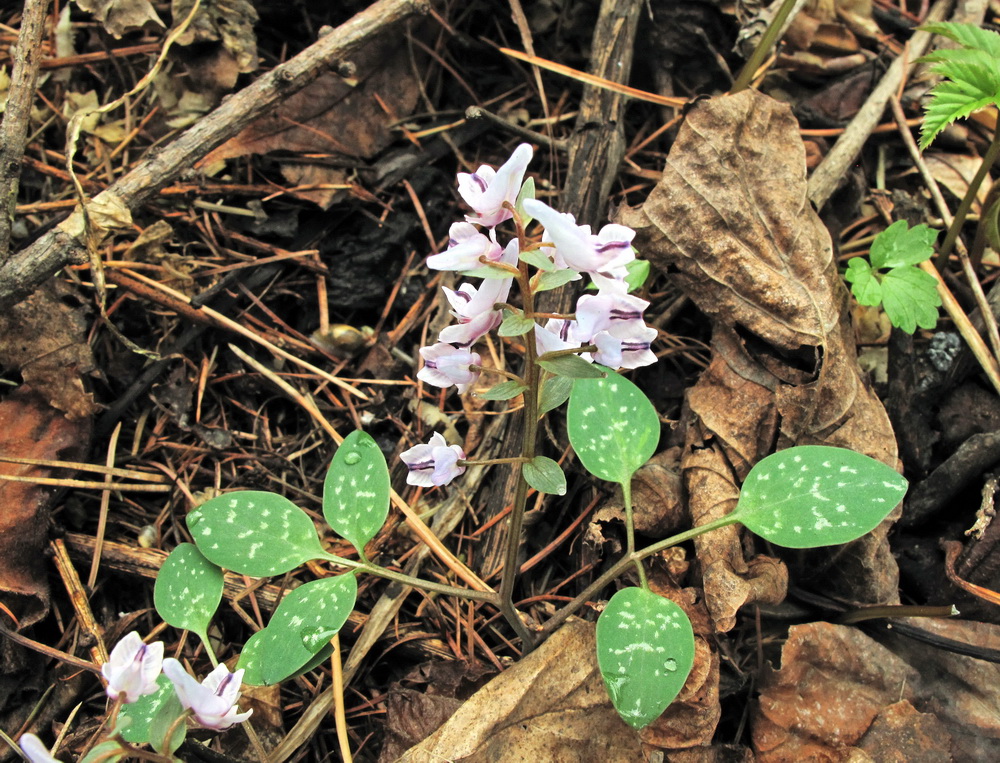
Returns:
point(551, 706)
point(730, 213)
point(840, 694)
point(45, 338)
point(30, 428)
point(657, 500)
point(954, 172)
point(335, 116)
point(119, 16)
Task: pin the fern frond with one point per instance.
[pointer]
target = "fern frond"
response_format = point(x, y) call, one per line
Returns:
point(950, 102)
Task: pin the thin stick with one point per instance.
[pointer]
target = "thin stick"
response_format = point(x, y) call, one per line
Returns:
point(339, 713)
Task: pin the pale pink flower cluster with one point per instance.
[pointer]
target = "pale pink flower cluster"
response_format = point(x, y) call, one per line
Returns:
point(133, 667)
point(610, 320)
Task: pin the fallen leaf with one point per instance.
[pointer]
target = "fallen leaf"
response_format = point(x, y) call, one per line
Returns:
point(550, 706)
point(954, 172)
point(44, 337)
point(30, 428)
point(120, 16)
point(730, 214)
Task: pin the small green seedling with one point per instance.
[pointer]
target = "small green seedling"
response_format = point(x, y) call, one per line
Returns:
point(971, 77)
point(907, 293)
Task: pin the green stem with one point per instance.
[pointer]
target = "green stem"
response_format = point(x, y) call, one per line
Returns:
point(630, 530)
point(492, 461)
point(497, 371)
point(622, 564)
point(966, 204)
point(427, 585)
point(763, 47)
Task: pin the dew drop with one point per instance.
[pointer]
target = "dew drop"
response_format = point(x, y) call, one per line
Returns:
point(670, 664)
point(352, 458)
point(194, 518)
point(313, 639)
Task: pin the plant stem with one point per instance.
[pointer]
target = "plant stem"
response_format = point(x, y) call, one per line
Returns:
point(630, 530)
point(492, 461)
point(528, 444)
point(966, 204)
point(498, 371)
point(763, 47)
point(427, 585)
point(622, 564)
point(340, 714)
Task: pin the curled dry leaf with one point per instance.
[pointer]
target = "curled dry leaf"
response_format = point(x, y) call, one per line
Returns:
point(840, 692)
point(731, 215)
point(552, 705)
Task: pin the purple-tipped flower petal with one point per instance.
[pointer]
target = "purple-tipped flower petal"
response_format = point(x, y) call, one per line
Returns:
point(486, 189)
point(465, 246)
point(435, 463)
point(445, 365)
point(625, 347)
point(213, 701)
point(601, 311)
point(132, 669)
point(36, 752)
point(556, 334)
point(577, 248)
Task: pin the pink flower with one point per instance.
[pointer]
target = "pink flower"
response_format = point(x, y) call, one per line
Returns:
point(577, 248)
point(213, 701)
point(435, 463)
point(487, 189)
point(133, 668)
point(35, 751)
point(599, 312)
point(555, 335)
point(625, 347)
point(473, 305)
point(465, 246)
point(445, 365)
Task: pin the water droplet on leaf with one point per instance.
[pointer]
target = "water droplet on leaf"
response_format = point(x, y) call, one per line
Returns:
point(670, 664)
point(352, 458)
point(194, 518)
point(313, 639)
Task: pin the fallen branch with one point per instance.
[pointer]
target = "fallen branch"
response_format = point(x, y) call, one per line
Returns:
point(58, 248)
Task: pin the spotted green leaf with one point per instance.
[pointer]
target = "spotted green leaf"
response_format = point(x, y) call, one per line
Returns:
point(356, 490)
point(188, 590)
point(250, 660)
point(140, 714)
point(165, 733)
point(545, 475)
point(303, 624)
point(814, 495)
point(254, 533)
point(612, 426)
point(645, 650)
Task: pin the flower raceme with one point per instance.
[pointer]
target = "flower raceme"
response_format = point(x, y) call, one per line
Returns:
point(132, 669)
point(486, 190)
point(213, 701)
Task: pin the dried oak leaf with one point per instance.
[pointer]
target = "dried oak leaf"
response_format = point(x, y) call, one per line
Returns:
point(30, 428)
point(120, 16)
point(731, 216)
point(332, 115)
point(552, 705)
point(44, 337)
point(657, 500)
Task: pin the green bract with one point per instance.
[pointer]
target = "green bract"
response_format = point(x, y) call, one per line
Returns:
point(907, 293)
point(814, 495)
point(645, 650)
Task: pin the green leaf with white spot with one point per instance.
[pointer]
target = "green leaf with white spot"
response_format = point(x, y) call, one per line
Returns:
point(356, 490)
point(106, 752)
point(612, 426)
point(303, 624)
point(188, 590)
point(254, 533)
point(250, 660)
point(515, 324)
point(140, 714)
point(645, 650)
point(815, 495)
point(545, 475)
